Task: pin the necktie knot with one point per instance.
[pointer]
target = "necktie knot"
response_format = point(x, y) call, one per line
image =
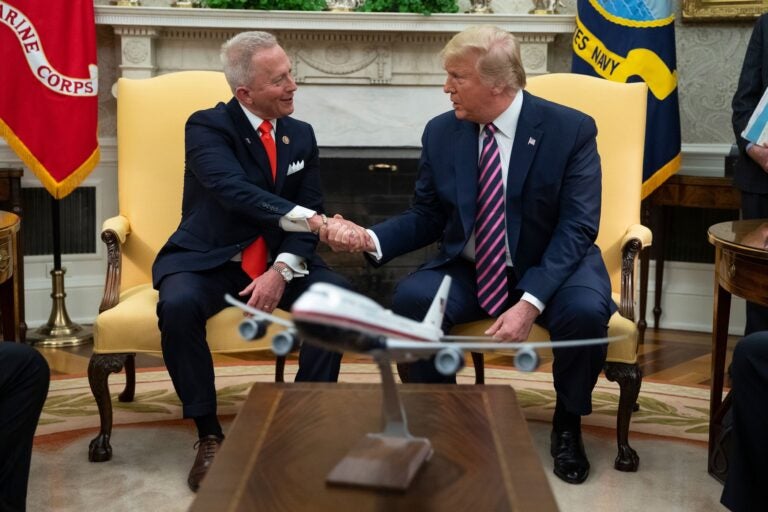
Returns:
point(490, 129)
point(265, 128)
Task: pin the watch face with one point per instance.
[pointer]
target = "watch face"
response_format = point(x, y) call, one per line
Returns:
point(287, 274)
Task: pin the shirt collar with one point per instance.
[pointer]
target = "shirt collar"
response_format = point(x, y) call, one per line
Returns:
point(254, 119)
point(506, 123)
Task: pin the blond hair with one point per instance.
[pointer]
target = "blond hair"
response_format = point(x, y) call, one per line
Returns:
point(498, 51)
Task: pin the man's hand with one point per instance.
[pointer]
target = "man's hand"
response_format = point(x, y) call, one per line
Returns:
point(346, 236)
point(515, 323)
point(760, 155)
point(265, 291)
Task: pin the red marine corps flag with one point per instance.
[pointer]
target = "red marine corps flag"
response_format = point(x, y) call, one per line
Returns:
point(48, 88)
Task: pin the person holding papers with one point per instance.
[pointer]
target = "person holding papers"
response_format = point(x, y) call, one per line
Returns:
point(751, 174)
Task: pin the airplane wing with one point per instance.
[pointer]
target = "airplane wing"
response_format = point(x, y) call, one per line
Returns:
point(485, 344)
point(257, 313)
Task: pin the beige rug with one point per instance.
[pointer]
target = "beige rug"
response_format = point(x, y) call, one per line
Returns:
point(665, 410)
point(153, 447)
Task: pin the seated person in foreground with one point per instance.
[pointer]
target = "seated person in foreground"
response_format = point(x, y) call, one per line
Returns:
point(509, 185)
point(240, 213)
point(24, 379)
point(746, 486)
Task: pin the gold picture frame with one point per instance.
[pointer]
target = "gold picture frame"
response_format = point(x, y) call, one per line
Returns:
point(723, 10)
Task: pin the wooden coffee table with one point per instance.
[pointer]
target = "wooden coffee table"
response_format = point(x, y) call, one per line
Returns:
point(287, 438)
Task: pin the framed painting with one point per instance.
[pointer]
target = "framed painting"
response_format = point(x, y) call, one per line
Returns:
point(723, 10)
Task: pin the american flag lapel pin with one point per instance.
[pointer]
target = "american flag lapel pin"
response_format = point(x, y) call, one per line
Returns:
point(531, 141)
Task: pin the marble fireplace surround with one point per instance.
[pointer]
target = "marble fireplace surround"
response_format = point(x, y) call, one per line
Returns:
point(365, 79)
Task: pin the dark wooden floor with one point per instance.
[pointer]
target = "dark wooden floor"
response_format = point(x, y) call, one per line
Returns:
point(677, 357)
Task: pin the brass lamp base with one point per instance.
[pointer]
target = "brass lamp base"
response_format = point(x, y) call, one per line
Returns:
point(60, 331)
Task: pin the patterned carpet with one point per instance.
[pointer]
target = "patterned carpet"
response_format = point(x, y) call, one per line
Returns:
point(665, 410)
point(153, 447)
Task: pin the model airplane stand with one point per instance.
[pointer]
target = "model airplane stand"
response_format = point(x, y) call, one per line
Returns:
point(391, 458)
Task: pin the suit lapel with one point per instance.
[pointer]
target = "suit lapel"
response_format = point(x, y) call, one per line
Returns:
point(250, 138)
point(527, 141)
point(282, 141)
point(466, 174)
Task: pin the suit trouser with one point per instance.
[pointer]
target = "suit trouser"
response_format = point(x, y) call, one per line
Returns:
point(746, 487)
point(755, 206)
point(24, 378)
point(572, 313)
point(189, 299)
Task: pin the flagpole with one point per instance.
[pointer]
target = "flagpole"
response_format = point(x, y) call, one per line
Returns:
point(59, 331)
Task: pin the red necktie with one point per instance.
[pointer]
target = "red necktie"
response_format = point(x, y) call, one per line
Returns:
point(490, 228)
point(255, 255)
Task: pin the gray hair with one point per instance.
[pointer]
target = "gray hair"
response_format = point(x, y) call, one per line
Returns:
point(237, 55)
point(499, 61)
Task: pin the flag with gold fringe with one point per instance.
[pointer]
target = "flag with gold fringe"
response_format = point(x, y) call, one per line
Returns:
point(48, 90)
point(633, 41)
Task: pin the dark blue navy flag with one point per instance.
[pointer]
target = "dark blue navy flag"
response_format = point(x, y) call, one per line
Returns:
point(634, 41)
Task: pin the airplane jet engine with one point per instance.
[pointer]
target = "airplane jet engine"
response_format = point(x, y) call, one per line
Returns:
point(448, 361)
point(283, 343)
point(253, 329)
point(526, 359)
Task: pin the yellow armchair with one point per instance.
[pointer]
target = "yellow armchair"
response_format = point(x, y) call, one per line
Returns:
point(619, 111)
point(151, 115)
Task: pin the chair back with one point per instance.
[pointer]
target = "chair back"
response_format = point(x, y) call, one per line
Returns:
point(619, 110)
point(151, 114)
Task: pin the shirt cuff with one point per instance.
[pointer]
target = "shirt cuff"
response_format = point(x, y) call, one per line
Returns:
point(297, 220)
point(527, 297)
point(377, 253)
point(297, 264)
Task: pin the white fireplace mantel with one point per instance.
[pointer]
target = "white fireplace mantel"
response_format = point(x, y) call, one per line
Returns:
point(326, 47)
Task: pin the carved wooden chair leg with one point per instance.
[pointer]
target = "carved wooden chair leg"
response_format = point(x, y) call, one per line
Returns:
point(99, 368)
point(280, 369)
point(130, 379)
point(629, 378)
point(479, 363)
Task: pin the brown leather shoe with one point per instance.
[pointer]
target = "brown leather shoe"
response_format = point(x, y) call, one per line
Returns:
point(206, 450)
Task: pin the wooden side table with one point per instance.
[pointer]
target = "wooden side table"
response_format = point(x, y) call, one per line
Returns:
point(741, 269)
point(678, 190)
point(9, 279)
point(10, 201)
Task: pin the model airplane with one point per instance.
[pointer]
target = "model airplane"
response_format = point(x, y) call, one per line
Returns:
point(343, 321)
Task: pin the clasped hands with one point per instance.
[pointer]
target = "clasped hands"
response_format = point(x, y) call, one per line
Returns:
point(343, 235)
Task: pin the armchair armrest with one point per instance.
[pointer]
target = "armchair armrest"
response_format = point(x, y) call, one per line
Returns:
point(114, 232)
point(637, 238)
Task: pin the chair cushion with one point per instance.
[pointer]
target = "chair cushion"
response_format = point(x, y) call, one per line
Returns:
point(624, 351)
point(131, 326)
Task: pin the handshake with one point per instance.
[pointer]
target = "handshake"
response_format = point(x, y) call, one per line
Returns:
point(343, 235)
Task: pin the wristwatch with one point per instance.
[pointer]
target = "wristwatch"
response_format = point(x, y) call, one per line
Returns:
point(284, 271)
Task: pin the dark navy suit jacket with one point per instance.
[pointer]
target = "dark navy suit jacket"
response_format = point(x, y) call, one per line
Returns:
point(230, 198)
point(552, 198)
point(748, 176)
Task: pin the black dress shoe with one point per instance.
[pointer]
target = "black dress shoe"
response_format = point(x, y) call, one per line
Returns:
point(571, 464)
point(206, 450)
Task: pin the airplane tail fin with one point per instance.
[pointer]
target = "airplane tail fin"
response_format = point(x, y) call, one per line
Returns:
point(436, 311)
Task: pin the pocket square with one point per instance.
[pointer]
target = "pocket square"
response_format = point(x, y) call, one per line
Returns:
point(295, 167)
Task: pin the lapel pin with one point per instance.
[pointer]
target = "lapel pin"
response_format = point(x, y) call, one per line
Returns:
point(531, 141)
point(286, 140)
point(248, 140)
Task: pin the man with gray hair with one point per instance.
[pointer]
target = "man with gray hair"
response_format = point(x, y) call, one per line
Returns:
point(509, 186)
point(251, 211)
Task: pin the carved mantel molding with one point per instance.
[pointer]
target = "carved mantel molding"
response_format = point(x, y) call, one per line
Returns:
point(326, 47)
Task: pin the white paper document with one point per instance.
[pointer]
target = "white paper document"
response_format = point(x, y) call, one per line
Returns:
point(757, 127)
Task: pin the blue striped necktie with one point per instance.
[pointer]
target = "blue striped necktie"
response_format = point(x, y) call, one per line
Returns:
point(490, 229)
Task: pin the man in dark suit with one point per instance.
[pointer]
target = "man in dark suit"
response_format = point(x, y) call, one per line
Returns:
point(745, 486)
point(252, 198)
point(751, 173)
point(520, 249)
point(24, 379)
